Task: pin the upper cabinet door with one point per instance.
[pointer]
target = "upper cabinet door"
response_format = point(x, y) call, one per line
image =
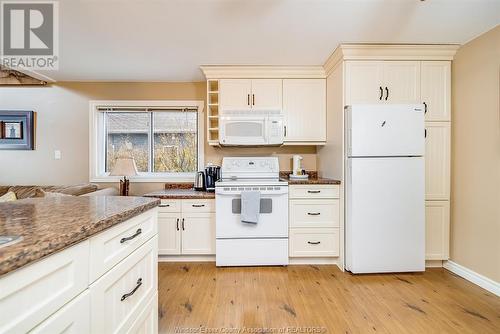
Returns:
point(304, 107)
point(363, 82)
point(235, 94)
point(267, 94)
point(436, 89)
point(437, 161)
point(401, 82)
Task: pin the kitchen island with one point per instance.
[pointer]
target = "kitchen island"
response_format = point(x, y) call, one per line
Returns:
point(85, 263)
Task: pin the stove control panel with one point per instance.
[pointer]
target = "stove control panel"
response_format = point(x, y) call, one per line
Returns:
point(250, 167)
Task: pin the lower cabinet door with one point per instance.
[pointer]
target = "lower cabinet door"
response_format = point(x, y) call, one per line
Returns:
point(437, 230)
point(169, 233)
point(198, 233)
point(74, 317)
point(119, 296)
point(147, 321)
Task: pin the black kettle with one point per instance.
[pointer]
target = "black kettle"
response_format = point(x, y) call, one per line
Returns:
point(199, 181)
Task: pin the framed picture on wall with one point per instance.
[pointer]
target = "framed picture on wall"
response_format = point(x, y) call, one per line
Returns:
point(16, 130)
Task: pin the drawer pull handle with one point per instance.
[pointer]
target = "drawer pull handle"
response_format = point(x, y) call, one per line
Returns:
point(139, 231)
point(177, 224)
point(314, 242)
point(125, 296)
point(198, 205)
point(313, 213)
point(183, 224)
point(314, 191)
point(164, 205)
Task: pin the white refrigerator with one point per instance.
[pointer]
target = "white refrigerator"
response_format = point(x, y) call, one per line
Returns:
point(385, 188)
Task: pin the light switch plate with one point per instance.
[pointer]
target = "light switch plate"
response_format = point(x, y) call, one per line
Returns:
point(57, 155)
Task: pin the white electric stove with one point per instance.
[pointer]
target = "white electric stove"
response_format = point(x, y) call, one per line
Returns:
point(243, 244)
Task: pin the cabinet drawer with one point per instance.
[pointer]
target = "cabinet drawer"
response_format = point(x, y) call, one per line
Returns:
point(198, 205)
point(31, 294)
point(314, 191)
point(170, 205)
point(314, 242)
point(118, 297)
point(111, 246)
point(74, 317)
point(317, 213)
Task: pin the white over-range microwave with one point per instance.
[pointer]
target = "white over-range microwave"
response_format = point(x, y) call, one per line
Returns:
point(251, 129)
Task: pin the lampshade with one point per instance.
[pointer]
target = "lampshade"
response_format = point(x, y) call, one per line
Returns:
point(124, 167)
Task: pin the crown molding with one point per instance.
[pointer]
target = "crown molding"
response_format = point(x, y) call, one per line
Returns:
point(389, 52)
point(262, 72)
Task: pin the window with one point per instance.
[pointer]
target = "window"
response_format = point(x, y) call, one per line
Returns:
point(165, 140)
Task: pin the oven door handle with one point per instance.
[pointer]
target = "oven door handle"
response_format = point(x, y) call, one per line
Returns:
point(262, 194)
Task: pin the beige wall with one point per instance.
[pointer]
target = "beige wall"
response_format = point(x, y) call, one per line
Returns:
point(475, 198)
point(62, 124)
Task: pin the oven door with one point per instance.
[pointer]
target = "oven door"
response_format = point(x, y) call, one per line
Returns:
point(273, 219)
point(237, 130)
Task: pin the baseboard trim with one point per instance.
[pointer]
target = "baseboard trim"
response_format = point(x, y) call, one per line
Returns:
point(433, 263)
point(186, 258)
point(472, 276)
point(312, 260)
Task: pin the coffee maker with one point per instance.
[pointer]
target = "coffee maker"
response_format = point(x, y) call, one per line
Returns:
point(212, 175)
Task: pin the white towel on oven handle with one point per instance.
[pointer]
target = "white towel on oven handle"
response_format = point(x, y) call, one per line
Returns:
point(250, 207)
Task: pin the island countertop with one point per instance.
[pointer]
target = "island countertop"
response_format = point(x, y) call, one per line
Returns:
point(48, 225)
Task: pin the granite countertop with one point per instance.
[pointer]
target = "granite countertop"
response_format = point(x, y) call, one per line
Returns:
point(313, 179)
point(48, 225)
point(181, 193)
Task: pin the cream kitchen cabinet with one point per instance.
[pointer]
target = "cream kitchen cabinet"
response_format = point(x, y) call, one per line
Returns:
point(304, 108)
point(186, 227)
point(382, 82)
point(437, 160)
point(169, 235)
point(437, 230)
point(198, 233)
point(234, 94)
point(314, 219)
point(363, 82)
point(248, 94)
point(436, 90)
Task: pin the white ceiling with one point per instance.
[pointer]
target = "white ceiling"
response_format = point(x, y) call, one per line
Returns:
point(154, 40)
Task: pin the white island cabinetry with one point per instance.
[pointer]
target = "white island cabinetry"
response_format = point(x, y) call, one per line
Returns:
point(106, 284)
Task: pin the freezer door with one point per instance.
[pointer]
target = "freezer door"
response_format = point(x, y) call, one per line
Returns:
point(385, 215)
point(385, 130)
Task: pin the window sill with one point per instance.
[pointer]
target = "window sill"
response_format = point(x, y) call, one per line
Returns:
point(145, 179)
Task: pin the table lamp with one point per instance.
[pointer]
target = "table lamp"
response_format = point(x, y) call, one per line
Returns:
point(124, 167)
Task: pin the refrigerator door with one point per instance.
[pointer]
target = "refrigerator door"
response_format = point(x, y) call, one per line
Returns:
point(385, 130)
point(385, 215)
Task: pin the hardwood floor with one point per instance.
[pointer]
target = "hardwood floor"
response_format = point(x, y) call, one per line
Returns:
point(321, 298)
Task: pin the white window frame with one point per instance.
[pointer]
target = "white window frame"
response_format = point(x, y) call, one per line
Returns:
point(97, 139)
